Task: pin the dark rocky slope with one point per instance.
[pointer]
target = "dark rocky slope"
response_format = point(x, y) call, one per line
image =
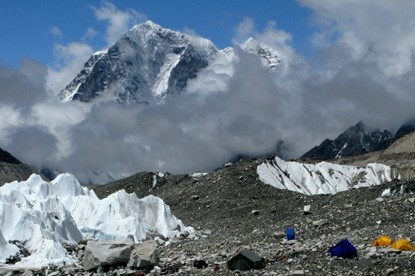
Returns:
point(356, 140)
point(12, 169)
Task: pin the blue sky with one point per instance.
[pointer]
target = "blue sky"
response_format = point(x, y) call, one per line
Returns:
point(31, 29)
point(343, 61)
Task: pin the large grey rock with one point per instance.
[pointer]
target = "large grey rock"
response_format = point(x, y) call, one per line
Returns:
point(102, 253)
point(144, 254)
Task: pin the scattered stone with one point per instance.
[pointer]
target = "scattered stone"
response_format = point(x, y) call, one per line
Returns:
point(386, 193)
point(200, 264)
point(144, 255)
point(278, 235)
point(390, 271)
point(306, 209)
point(320, 222)
point(297, 272)
point(99, 253)
point(412, 199)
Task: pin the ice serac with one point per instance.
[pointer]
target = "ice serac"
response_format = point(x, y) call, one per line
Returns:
point(321, 178)
point(143, 66)
point(357, 139)
point(46, 215)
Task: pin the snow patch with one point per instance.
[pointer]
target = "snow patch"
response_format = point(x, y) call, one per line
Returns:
point(161, 84)
point(321, 178)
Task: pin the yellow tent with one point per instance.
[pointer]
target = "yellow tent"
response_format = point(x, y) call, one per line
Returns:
point(382, 241)
point(403, 245)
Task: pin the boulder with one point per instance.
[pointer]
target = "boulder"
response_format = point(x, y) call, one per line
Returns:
point(105, 253)
point(144, 255)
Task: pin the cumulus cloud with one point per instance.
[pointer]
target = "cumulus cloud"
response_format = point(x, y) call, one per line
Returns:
point(382, 31)
point(244, 30)
point(235, 106)
point(69, 62)
point(118, 21)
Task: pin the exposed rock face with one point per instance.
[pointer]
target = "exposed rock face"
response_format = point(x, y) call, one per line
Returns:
point(146, 64)
point(12, 169)
point(8, 158)
point(105, 253)
point(405, 129)
point(144, 255)
point(149, 63)
point(356, 140)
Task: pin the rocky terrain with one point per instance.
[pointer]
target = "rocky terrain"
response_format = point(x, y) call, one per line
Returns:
point(232, 210)
point(237, 211)
point(12, 169)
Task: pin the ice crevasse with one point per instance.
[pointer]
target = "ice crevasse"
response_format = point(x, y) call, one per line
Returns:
point(46, 215)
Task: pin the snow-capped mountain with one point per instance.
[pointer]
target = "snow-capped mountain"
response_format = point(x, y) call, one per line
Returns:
point(268, 55)
point(323, 177)
point(150, 62)
point(357, 139)
point(145, 64)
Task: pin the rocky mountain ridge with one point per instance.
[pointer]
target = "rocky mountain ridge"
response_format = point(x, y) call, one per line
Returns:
point(356, 140)
point(145, 64)
point(149, 63)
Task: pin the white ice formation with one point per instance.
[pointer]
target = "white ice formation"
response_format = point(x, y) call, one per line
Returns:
point(46, 215)
point(321, 178)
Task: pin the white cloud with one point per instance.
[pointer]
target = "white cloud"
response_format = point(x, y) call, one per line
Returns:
point(56, 32)
point(118, 21)
point(90, 33)
point(380, 31)
point(244, 30)
point(70, 60)
point(10, 119)
point(276, 39)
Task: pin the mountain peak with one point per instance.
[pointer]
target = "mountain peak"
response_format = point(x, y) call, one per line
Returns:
point(269, 55)
point(145, 65)
point(150, 62)
point(357, 139)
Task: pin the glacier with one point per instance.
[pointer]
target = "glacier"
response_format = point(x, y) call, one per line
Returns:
point(44, 216)
point(322, 177)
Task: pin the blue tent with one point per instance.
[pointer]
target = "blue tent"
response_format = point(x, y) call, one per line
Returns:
point(290, 233)
point(343, 249)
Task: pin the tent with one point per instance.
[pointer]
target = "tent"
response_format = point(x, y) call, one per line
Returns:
point(290, 234)
point(382, 241)
point(403, 245)
point(343, 249)
point(246, 260)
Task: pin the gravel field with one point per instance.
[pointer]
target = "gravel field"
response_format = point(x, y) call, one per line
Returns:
point(233, 210)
